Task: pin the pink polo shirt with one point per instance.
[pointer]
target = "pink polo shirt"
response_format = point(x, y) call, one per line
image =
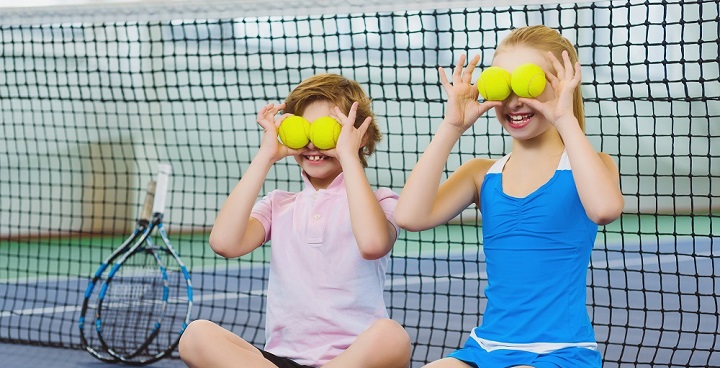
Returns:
point(321, 293)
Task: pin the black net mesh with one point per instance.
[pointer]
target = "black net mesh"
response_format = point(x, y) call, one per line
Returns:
point(89, 109)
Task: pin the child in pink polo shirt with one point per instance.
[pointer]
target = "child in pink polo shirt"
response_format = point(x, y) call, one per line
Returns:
point(330, 246)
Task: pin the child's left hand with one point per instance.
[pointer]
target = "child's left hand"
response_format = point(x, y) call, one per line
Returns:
point(566, 79)
point(351, 138)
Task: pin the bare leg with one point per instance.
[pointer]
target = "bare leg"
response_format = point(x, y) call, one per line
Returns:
point(447, 363)
point(207, 345)
point(385, 344)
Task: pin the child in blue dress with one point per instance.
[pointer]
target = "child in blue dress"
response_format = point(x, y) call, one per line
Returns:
point(541, 206)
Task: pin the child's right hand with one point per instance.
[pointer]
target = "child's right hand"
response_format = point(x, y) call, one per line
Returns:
point(463, 108)
point(269, 145)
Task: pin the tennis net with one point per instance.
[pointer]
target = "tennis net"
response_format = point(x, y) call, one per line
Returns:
point(93, 97)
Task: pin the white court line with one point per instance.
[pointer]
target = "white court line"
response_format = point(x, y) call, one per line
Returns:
point(665, 258)
point(47, 310)
point(618, 264)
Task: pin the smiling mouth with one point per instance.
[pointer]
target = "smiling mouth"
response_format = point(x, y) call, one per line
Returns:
point(519, 119)
point(315, 158)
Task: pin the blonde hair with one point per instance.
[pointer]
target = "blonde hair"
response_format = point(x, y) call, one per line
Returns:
point(544, 39)
point(341, 92)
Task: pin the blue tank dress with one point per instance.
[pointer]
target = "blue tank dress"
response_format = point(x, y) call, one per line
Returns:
point(537, 250)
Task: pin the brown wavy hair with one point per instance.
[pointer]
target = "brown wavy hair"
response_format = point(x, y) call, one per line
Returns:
point(545, 39)
point(341, 92)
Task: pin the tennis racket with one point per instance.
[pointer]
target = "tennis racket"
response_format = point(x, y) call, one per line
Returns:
point(88, 337)
point(144, 305)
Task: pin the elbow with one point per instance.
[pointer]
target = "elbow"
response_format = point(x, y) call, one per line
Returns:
point(406, 222)
point(411, 227)
point(400, 218)
point(372, 254)
point(374, 249)
point(221, 246)
point(608, 213)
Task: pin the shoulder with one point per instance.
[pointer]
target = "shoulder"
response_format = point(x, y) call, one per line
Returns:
point(279, 196)
point(471, 172)
point(478, 164)
point(383, 193)
point(476, 168)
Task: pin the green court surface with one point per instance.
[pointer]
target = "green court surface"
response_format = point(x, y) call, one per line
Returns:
point(70, 256)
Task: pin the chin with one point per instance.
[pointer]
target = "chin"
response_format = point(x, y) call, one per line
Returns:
point(320, 171)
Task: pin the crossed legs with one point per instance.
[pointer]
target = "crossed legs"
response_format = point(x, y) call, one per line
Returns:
point(204, 344)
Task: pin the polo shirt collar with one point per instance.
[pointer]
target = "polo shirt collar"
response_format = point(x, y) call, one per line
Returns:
point(337, 185)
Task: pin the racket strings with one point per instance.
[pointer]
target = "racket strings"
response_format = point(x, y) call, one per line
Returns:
point(146, 306)
point(174, 318)
point(133, 304)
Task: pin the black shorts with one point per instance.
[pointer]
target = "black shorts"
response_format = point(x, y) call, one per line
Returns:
point(282, 362)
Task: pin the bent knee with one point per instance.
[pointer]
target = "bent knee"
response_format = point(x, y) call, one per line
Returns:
point(393, 334)
point(193, 336)
point(392, 328)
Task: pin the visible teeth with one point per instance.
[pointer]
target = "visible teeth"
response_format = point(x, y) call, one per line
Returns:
point(520, 117)
point(315, 158)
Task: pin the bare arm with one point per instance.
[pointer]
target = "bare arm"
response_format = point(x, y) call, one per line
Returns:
point(235, 233)
point(596, 176)
point(424, 203)
point(374, 234)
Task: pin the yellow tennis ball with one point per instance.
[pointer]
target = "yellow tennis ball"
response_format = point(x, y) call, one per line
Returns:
point(294, 132)
point(324, 132)
point(494, 84)
point(528, 80)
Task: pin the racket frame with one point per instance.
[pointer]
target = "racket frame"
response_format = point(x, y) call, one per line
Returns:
point(144, 243)
point(141, 228)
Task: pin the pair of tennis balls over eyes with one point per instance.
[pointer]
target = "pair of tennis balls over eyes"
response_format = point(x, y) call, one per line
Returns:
point(296, 132)
point(496, 84)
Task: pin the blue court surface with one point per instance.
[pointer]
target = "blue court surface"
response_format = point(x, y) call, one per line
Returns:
point(29, 356)
point(656, 308)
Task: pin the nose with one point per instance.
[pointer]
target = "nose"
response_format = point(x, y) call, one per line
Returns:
point(513, 101)
point(311, 146)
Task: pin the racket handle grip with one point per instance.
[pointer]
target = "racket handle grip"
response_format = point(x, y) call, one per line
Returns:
point(149, 200)
point(163, 178)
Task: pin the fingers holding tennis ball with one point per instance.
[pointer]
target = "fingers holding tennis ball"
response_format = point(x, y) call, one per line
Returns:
point(494, 84)
point(352, 136)
point(528, 80)
point(296, 132)
point(324, 132)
